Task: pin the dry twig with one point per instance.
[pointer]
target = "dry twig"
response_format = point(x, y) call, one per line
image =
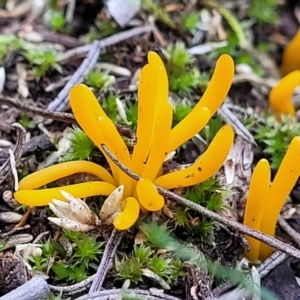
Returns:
point(152, 294)
point(106, 261)
point(61, 102)
point(58, 116)
point(17, 152)
point(295, 236)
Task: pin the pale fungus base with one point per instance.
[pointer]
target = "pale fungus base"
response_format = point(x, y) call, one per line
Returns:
point(265, 201)
point(155, 140)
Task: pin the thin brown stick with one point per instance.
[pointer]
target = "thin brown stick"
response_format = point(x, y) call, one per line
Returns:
point(106, 261)
point(5, 169)
point(295, 236)
point(61, 101)
point(58, 116)
point(32, 110)
point(269, 240)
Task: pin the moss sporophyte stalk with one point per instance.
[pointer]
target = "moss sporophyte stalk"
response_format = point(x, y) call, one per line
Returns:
point(155, 140)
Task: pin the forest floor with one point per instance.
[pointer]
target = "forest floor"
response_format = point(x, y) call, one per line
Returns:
point(193, 249)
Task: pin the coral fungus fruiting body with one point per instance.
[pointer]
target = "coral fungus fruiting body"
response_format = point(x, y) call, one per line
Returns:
point(291, 57)
point(266, 200)
point(155, 140)
point(280, 97)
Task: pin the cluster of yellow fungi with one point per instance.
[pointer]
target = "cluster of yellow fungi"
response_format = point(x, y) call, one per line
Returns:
point(265, 201)
point(280, 97)
point(155, 140)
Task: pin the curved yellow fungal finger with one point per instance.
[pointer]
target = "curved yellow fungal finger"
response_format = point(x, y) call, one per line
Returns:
point(280, 97)
point(50, 174)
point(146, 107)
point(148, 195)
point(181, 134)
point(79, 190)
point(205, 167)
point(86, 115)
point(213, 96)
point(158, 151)
point(129, 216)
point(219, 85)
point(283, 183)
point(162, 91)
point(86, 97)
point(255, 205)
point(290, 57)
point(118, 148)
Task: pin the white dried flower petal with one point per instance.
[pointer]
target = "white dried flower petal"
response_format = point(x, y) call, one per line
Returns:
point(78, 209)
point(70, 198)
point(73, 214)
point(112, 205)
point(57, 209)
point(74, 209)
point(122, 112)
point(71, 225)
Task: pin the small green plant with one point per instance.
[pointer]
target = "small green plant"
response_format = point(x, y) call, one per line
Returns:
point(26, 121)
point(187, 253)
point(130, 268)
point(2, 245)
point(7, 43)
point(98, 80)
point(132, 113)
point(212, 128)
point(209, 194)
point(159, 12)
point(74, 266)
point(43, 61)
point(144, 257)
point(53, 297)
point(264, 11)
point(39, 262)
point(183, 77)
point(181, 111)
point(81, 147)
point(57, 21)
point(190, 21)
point(276, 137)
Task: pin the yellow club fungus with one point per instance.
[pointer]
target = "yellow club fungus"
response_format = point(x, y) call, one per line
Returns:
point(212, 99)
point(129, 215)
point(148, 195)
point(161, 131)
point(284, 181)
point(206, 166)
point(155, 139)
point(50, 174)
point(79, 190)
point(265, 202)
point(291, 57)
point(280, 97)
point(146, 113)
point(255, 206)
